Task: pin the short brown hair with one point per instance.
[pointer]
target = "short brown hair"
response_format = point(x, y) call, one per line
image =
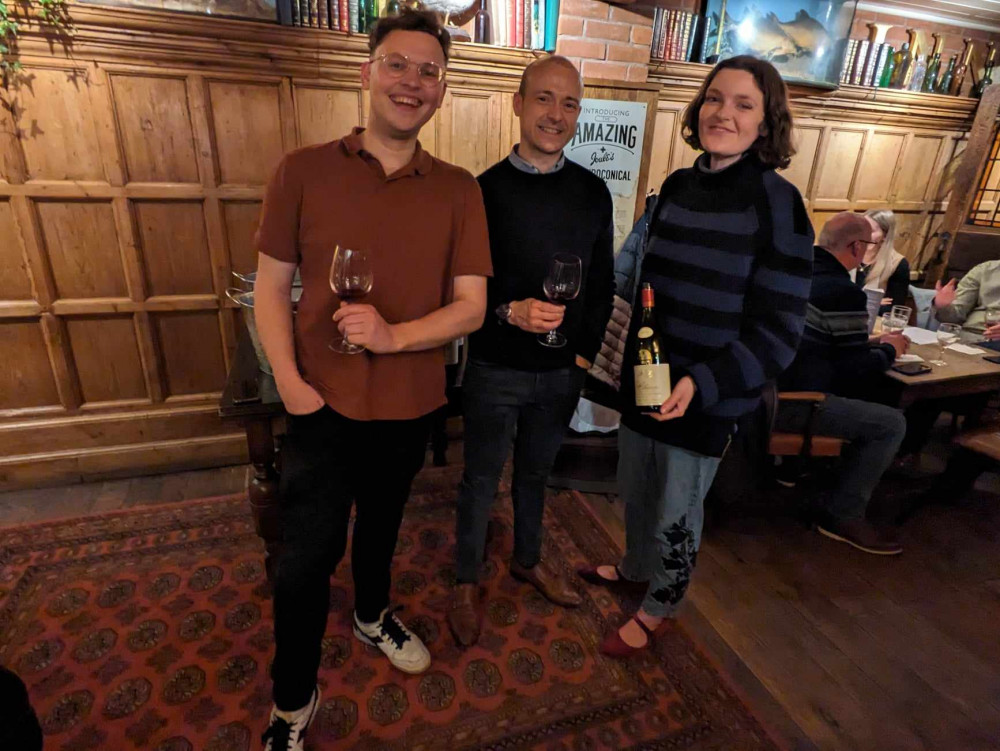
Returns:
point(426, 21)
point(774, 149)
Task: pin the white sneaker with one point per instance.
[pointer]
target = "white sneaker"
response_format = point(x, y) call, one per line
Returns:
point(403, 648)
point(285, 735)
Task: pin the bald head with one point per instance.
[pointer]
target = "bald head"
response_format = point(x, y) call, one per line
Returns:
point(545, 62)
point(846, 236)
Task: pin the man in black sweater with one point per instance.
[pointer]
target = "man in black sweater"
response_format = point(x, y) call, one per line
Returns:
point(837, 357)
point(538, 204)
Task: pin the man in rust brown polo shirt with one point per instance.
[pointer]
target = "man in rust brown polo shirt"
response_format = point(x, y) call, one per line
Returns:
point(358, 423)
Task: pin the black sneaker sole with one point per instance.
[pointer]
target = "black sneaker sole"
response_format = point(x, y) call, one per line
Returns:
point(872, 551)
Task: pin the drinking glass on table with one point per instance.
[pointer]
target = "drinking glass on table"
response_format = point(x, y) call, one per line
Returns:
point(992, 317)
point(561, 285)
point(892, 324)
point(351, 279)
point(947, 334)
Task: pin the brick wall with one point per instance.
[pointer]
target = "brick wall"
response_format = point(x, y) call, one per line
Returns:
point(610, 41)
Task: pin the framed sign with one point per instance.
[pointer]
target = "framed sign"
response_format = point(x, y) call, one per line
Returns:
point(609, 141)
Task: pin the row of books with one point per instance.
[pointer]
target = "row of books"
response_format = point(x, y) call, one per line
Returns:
point(528, 24)
point(339, 15)
point(864, 62)
point(674, 33)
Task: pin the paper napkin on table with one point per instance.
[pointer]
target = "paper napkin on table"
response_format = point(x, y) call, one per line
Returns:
point(965, 349)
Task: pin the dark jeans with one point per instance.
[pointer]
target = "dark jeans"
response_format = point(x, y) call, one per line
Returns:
point(501, 404)
point(328, 463)
point(922, 416)
point(874, 433)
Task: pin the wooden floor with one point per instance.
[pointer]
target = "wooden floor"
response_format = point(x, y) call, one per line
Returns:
point(832, 648)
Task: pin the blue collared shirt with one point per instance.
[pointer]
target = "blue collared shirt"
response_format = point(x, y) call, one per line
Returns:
point(525, 166)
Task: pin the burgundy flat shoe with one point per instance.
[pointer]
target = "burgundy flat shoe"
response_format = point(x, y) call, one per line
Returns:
point(614, 646)
point(590, 575)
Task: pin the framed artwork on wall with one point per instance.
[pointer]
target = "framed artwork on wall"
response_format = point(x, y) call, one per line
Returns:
point(803, 39)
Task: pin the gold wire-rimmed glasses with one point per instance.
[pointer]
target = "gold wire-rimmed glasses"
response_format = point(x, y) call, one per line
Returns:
point(396, 64)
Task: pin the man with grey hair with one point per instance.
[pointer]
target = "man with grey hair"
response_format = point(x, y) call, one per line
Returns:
point(517, 390)
point(837, 358)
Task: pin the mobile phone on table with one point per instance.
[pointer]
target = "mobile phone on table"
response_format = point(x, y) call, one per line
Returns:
point(912, 368)
point(993, 359)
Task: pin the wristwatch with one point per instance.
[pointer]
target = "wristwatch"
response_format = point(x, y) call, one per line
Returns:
point(503, 312)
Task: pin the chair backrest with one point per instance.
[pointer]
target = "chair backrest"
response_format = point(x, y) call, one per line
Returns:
point(922, 299)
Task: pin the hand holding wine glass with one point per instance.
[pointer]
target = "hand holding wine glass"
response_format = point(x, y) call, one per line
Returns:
point(351, 278)
point(561, 285)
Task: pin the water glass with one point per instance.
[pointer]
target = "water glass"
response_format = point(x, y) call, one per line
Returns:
point(902, 312)
point(992, 317)
point(947, 334)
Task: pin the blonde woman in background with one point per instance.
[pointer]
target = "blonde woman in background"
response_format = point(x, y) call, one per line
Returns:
point(883, 267)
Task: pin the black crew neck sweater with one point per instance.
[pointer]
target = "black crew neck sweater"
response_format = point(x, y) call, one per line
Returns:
point(532, 217)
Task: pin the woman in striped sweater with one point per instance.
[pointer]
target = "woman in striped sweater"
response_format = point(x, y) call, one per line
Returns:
point(729, 257)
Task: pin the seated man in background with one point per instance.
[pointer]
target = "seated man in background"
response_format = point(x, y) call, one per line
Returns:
point(967, 302)
point(837, 358)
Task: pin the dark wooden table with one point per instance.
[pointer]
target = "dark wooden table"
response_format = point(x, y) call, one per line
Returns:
point(964, 374)
point(251, 398)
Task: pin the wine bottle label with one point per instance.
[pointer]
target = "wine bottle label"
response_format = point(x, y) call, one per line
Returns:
point(652, 384)
point(645, 332)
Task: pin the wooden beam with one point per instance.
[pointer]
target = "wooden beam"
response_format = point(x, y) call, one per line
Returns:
point(967, 178)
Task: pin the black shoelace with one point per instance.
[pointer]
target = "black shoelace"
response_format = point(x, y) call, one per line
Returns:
point(393, 630)
point(279, 732)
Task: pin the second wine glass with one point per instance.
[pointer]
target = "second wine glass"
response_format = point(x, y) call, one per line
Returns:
point(947, 334)
point(351, 279)
point(561, 285)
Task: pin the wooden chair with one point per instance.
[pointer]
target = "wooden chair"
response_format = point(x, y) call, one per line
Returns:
point(804, 444)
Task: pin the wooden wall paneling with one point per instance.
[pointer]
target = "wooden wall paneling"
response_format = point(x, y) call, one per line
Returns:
point(12, 166)
point(149, 356)
point(838, 166)
point(470, 136)
point(192, 353)
point(221, 277)
point(174, 245)
point(241, 219)
point(803, 167)
point(107, 359)
point(58, 133)
point(30, 232)
point(204, 141)
point(880, 161)
point(64, 368)
point(286, 118)
point(324, 113)
point(919, 162)
point(102, 430)
point(99, 91)
point(249, 136)
point(510, 125)
point(79, 239)
point(659, 158)
point(26, 380)
point(155, 127)
point(15, 282)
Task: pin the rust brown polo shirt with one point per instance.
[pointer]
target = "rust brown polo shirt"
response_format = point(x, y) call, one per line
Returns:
point(423, 226)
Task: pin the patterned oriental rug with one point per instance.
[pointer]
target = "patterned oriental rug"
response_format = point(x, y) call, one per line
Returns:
point(151, 629)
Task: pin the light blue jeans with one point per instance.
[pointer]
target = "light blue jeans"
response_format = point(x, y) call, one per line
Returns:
point(664, 490)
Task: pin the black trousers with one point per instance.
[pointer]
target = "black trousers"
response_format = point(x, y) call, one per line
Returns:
point(330, 463)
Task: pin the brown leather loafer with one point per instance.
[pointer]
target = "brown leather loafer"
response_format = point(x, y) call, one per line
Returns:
point(862, 535)
point(463, 614)
point(548, 582)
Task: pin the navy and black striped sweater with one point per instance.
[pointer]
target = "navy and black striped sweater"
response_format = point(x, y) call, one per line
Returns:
point(729, 256)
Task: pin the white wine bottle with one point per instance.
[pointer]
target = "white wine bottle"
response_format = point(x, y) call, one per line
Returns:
point(652, 372)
